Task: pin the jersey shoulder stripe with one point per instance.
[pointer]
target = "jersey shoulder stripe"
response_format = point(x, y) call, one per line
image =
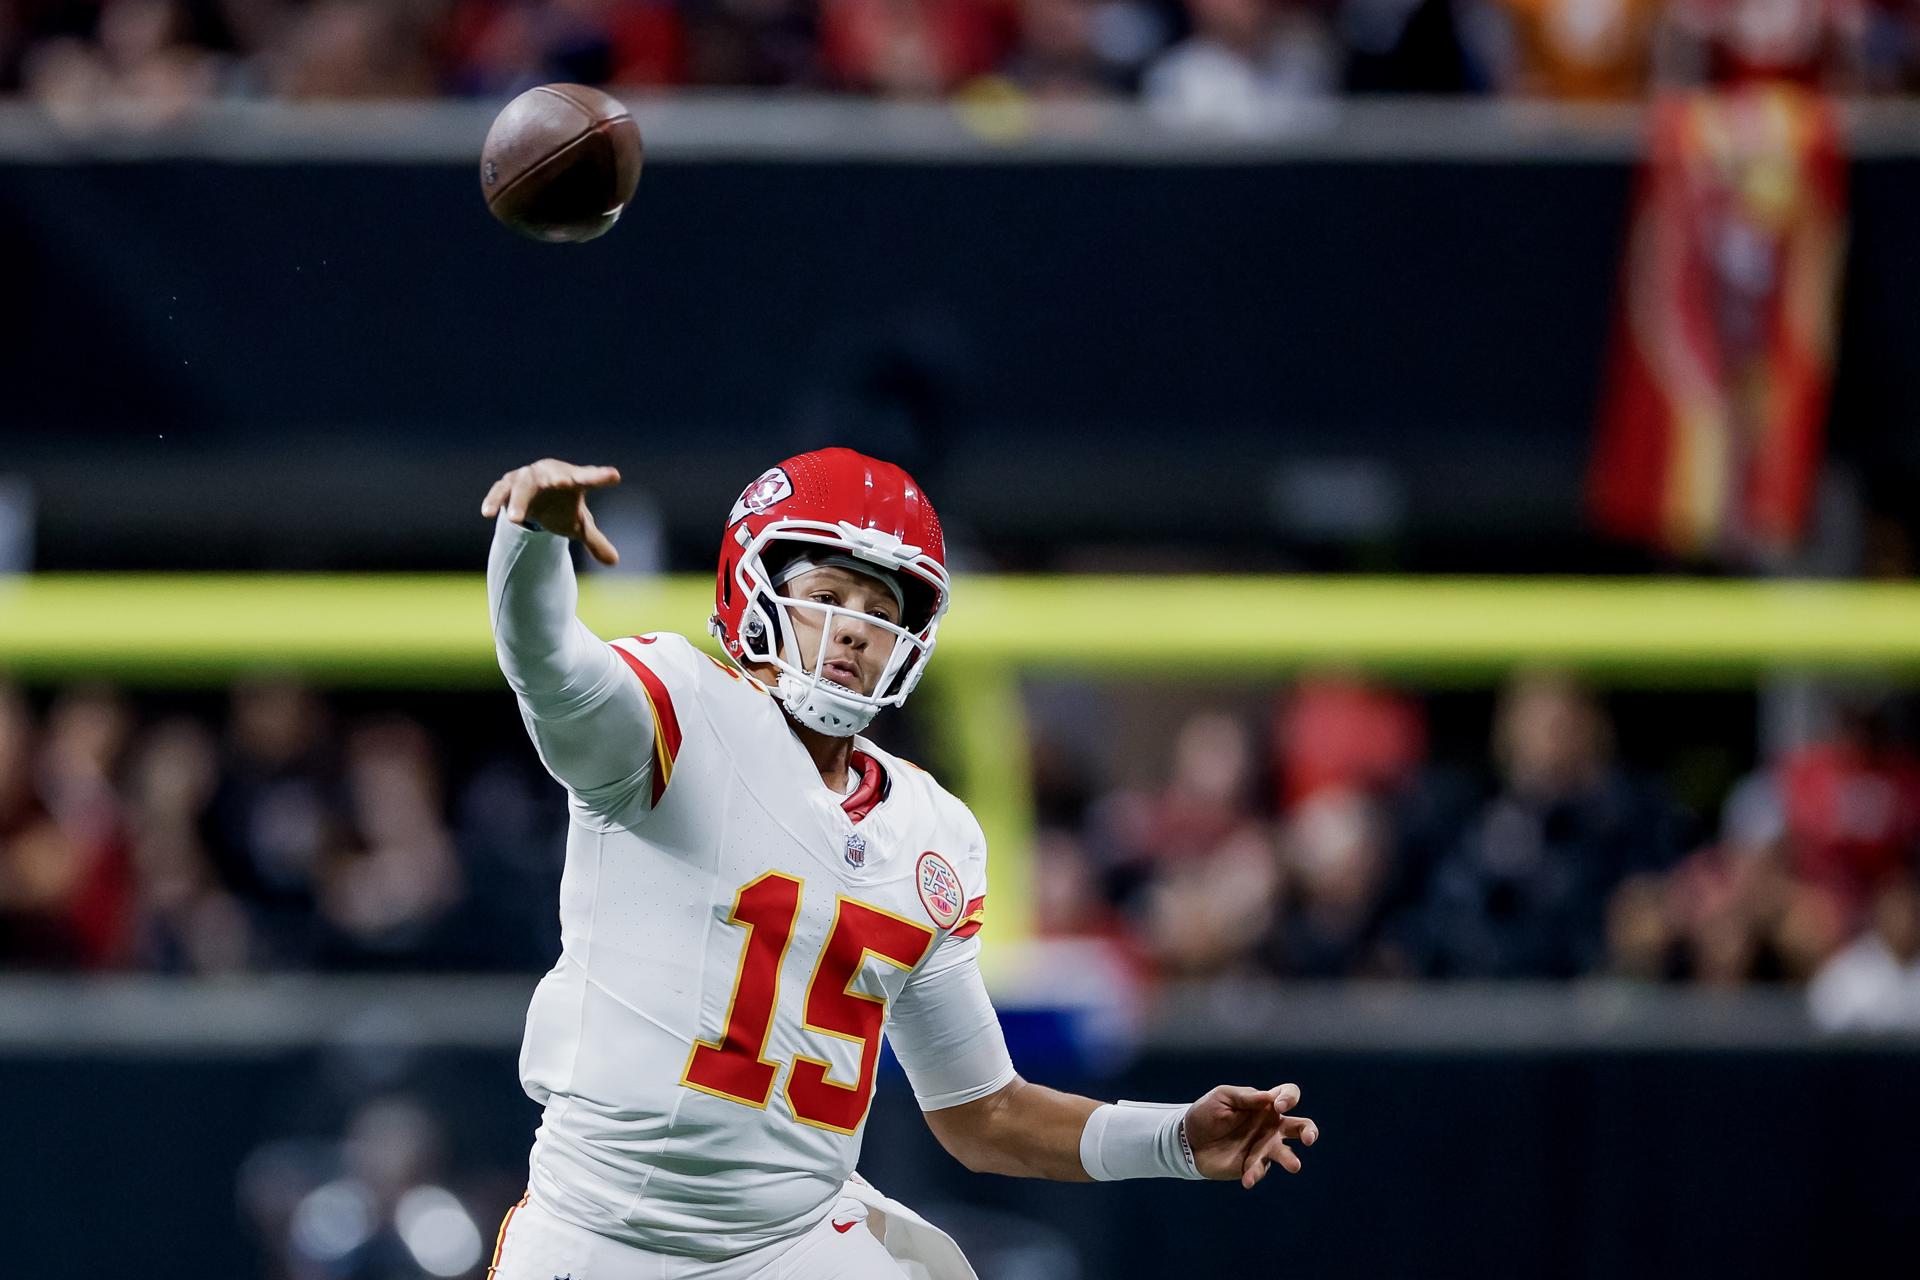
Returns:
point(666, 723)
point(972, 919)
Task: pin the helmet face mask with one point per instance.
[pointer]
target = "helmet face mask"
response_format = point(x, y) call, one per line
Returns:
point(879, 518)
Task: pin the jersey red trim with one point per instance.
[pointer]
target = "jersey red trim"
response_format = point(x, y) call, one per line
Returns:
point(872, 789)
point(666, 725)
point(972, 918)
point(500, 1241)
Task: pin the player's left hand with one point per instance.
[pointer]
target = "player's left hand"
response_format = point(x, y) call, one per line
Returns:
point(1237, 1132)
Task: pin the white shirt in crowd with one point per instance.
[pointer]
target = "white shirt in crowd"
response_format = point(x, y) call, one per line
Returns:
point(1866, 987)
point(1205, 84)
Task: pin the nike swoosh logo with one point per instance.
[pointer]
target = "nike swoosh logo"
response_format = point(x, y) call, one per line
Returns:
point(844, 1227)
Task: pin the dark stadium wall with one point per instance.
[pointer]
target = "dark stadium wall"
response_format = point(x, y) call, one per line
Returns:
point(260, 326)
point(1468, 1165)
point(1094, 344)
point(1323, 298)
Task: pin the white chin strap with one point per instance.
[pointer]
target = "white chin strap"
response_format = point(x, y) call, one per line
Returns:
point(820, 706)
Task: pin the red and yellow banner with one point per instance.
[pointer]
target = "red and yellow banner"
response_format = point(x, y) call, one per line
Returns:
point(1714, 417)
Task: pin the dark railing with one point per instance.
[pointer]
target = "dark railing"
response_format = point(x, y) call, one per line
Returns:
point(1470, 1132)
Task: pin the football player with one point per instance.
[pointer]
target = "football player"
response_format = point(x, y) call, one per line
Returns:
point(753, 892)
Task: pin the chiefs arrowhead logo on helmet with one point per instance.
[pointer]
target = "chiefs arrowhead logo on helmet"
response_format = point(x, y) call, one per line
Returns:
point(772, 488)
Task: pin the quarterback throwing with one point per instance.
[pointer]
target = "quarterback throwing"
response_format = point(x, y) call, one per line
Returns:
point(754, 894)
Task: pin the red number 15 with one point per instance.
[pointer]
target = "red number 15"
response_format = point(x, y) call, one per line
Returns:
point(736, 1067)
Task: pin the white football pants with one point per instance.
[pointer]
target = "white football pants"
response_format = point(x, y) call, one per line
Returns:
point(535, 1245)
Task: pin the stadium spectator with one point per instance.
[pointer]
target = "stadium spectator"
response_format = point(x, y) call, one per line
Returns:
point(1417, 46)
point(298, 844)
point(35, 856)
point(1341, 731)
point(1874, 984)
point(1814, 43)
point(1211, 870)
point(910, 48)
point(511, 845)
point(1336, 860)
point(1209, 799)
point(1810, 849)
point(66, 885)
point(1890, 48)
point(1247, 64)
point(278, 813)
point(1068, 898)
point(1205, 917)
point(1519, 890)
point(351, 49)
point(498, 48)
point(754, 43)
point(1057, 56)
point(1242, 64)
point(138, 63)
point(1071, 893)
point(1852, 807)
point(1731, 912)
point(385, 888)
point(1582, 50)
point(188, 921)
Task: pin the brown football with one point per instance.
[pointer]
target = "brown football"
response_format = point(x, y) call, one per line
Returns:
point(560, 162)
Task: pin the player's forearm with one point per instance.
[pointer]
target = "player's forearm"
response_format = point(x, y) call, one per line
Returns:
point(531, 598)
point(1024, 1131)
point(585, 712)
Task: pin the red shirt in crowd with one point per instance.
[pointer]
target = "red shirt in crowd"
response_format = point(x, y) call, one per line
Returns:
point(1853, 815)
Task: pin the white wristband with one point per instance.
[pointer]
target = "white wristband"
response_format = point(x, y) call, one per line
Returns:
point(1137, 1140)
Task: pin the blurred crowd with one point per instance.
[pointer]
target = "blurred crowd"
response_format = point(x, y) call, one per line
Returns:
point(279, 835)
point(277, 829)
point(1331, 843)
point(1206, 61)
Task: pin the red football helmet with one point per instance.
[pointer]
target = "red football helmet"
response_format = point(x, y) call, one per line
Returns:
point(831, 505)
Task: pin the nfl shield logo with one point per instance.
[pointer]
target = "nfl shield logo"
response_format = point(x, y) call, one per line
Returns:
point(856, 850)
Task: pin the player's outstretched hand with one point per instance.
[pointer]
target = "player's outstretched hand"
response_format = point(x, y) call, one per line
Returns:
point(553, 494)
point(1238, 1132)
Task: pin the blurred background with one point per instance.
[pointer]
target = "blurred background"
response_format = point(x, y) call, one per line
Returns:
point(1432, 485)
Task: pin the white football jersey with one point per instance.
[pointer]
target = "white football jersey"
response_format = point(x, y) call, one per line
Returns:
point(733, 936)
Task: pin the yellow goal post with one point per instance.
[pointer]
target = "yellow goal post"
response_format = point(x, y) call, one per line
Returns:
point(427, 631)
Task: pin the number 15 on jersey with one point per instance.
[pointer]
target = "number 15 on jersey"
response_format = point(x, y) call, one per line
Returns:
point(736, 1067)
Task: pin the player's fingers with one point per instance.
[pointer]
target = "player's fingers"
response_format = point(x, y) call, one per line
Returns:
point(1241, 1098)
point(1301, 1129)
point(598, 544)
point(490, 505)
point(1277, 1151)
point(596, 477)
point(1285, 1098)
point(519, 494)
point(1253, 1169)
